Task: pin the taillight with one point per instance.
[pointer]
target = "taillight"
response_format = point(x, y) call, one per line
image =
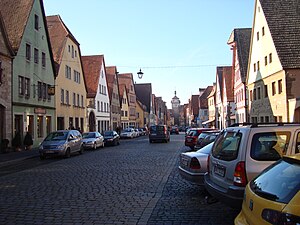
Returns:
point(195, 165)
point(240, 178)
point(208, 160)
point(279, 218)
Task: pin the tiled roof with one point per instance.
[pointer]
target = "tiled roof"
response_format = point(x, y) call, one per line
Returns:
point(58, 33)
point(283, 18)
point(227, 76)
point(5, 38)
point(195, 104)
point(242, 37)
point(143, 93)
point(110, 79)
point(127, 79)
point(203, 97)
point(92, 66)
point(15, 16)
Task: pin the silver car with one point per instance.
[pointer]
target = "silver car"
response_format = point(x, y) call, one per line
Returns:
point(61, 143)
point(92, 140)
point(193, 165)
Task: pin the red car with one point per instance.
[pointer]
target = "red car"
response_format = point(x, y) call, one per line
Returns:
point(192, 136)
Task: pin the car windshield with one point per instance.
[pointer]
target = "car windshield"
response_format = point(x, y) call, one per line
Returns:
point(88, 135)
point(57, 136)
point(108, 133)
point(227, 145)
point(279, 182)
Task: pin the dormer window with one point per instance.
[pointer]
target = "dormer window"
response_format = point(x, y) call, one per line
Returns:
point(36, 22)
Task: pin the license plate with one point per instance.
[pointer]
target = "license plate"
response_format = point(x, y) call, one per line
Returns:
point(184, 162)
point(219, 170)
point(49, 152)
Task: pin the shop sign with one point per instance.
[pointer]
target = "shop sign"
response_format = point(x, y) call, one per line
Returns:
point(39, 111)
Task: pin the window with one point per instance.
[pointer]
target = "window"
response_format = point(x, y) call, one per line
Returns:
point(43, 59)
point(40, 126)
point(263, 31)
point(67, 97)
point(36, 55)
point(40, 95)
point(98, 106)
point(101, 107)
point(44, 91)
point(62, 95)
point(36, 22)
point(74, 99)
point(68, 72)
point(254, 94)
point(75, 53)
point(72, 51)
point(28, 52)
point(258, 68)
point(266, 60)
point(279, 118)
point(258, 93)
point(270, 57)
point(27, 87)
point(21, 85)
point(261, 119)
point(76, 76)
point(273, 88)
point(48, 96)
point(269, 146)
point(78, 99)
point(266, 91)
point(279, 86)
point(254, 67)
point(81, 100)
point(257, 36)
point(267, 119)
point(1, 70)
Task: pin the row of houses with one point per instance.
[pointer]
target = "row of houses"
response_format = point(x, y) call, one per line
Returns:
point(262, 83)
point(46, 84)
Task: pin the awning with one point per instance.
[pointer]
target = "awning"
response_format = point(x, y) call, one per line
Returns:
point(208, 121)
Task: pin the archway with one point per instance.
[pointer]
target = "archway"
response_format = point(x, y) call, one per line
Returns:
point(92, 122)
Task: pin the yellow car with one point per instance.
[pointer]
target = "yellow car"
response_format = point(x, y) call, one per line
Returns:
point(273, 197)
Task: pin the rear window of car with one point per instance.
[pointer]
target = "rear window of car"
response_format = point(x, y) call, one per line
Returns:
point(279, 182)
point(227, 145)
point(269, 146)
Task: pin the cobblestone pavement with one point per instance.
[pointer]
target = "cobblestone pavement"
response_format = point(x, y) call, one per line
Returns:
point(133, 183)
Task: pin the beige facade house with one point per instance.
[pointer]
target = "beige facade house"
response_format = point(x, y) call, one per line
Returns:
point(114, 97)
point(70, 90)
point(273, 76)
point(211, 101)
point(127, 80)
point(141, 114)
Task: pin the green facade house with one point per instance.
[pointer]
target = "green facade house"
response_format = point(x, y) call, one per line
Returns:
point(33, 106)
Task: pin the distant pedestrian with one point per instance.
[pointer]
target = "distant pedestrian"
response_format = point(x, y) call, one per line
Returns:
point(28, 141)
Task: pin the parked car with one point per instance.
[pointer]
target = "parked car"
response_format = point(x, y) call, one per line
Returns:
point(137, 133)
point(241, 152)
point(92, 140)
point(142, 132)
point(159, 133)
point(111, 137)
point(61, 143)
point(193, 165)
point(192, 136)
point(174, 130)
point(127, 133)
point(273, 197)
point(205, 138)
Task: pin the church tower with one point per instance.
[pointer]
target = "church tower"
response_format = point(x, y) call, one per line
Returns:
point(175, 108)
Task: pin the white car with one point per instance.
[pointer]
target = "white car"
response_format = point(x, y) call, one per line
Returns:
point(92, 140)
point(193, 165)
point(128, 133)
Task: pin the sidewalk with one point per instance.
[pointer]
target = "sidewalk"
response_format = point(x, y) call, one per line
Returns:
point(12, 157)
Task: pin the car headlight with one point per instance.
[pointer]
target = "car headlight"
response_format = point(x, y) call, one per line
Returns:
point(62, 146)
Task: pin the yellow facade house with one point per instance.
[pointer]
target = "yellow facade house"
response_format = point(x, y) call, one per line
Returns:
point(140, 114)
point(70, 89)
point(273, 69)
point(124, 106)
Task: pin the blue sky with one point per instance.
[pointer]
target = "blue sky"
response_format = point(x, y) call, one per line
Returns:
point(178, 44)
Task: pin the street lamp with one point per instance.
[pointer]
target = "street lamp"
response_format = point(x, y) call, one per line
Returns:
point(140, 74)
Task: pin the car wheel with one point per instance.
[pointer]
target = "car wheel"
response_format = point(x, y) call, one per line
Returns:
point(95, 146)
point(42, 157)
point(118, 143)
point(102, 146)
point(68, 153)
point(81, 149)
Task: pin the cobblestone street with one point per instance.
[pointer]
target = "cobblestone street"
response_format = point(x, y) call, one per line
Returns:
point(133, 183)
